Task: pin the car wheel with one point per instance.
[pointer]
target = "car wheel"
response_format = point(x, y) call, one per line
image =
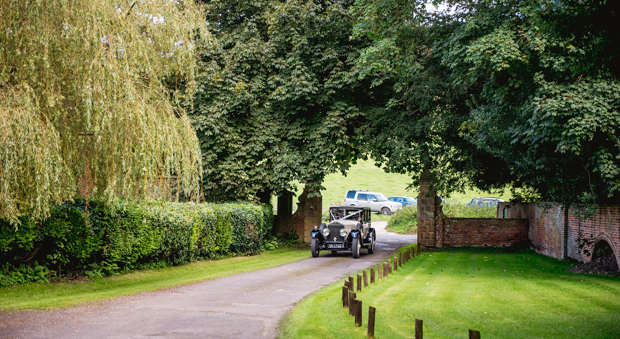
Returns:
point(386, 211)
point(371, 247)
point(315, 248)
point(355, 247)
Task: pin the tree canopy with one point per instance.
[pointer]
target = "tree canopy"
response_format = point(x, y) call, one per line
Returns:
point(518, 92)
point(89, 101)
point(277, 102)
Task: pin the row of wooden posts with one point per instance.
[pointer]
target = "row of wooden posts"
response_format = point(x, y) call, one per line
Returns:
point(350, 301)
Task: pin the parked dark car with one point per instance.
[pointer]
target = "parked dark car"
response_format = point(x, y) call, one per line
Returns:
point(484, 202)
point(349, 229)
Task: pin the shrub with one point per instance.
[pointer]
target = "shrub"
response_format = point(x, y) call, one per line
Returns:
point(99, 239)
point(404, 221)
point(456, 210)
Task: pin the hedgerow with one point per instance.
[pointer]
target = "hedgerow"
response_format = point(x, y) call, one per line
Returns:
point(98, 239)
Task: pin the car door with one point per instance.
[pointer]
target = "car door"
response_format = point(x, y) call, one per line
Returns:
point(362, 199)
point(375, 206)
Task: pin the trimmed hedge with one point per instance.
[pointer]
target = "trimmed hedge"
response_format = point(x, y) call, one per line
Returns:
point(99, 239)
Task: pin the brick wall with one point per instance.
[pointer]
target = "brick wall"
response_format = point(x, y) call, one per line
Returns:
point(307, 216)
point(458, 232)
point(558, 233)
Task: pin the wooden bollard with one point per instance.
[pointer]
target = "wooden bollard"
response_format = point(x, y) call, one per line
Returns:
point(418, 329)
point(358, 313)
point(385, 270)
point(346, 284)
point(359, 282)
point(395, 264)
point(351, 284)
point(390, 271)
point(473, 334)
point(400, 260)
point(372, 275)
point(351, 300)
point(345, 297)
point(365, 274)
point(371, 322)
point(380, 271)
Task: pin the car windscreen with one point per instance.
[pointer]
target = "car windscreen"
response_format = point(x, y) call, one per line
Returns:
point(380, 197)
point(409, 200)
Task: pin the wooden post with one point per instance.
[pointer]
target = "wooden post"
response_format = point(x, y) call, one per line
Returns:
point(351, 299)
point(359, 282)
point(400, 260)
point(358, 313)
point(418, 329)
point(345, 297)
point(346, 284)
point(372, 275)
point(380, 270)
point(395, 264)
point(390, 266)
point(385, 270)
point(365, 278)
point(371, 322)
point(473, 334)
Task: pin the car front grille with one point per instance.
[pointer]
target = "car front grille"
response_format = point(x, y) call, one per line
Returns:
point(334, 231)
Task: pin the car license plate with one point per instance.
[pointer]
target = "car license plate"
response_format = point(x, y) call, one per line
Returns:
point(335, 245)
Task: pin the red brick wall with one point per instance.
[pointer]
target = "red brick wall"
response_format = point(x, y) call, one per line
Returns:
point(558, 234)
point(459, 232)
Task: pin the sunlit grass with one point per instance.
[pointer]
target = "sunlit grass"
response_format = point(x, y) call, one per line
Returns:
point(502, 295)
point(41, 296)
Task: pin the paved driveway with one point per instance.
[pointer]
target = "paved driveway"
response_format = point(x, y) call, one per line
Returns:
point(248, 305)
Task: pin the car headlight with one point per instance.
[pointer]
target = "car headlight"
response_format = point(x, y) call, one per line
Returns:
point(325, 232)
point(343, 233)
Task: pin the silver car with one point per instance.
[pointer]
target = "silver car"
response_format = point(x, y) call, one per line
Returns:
point(377, 202)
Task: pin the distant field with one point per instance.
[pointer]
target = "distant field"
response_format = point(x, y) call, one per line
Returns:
point(365, 175)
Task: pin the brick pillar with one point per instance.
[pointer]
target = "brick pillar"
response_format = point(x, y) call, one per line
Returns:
point(312, 215)
point(426, 211)
point(439, 225)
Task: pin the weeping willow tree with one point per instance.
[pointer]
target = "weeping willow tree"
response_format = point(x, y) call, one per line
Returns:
point(89, 97)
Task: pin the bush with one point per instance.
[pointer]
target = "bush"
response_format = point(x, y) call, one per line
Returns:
point(456, 210)
point(99, 239)
point(404, 221)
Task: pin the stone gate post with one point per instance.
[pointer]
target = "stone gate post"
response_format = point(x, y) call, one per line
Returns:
point(426, 211)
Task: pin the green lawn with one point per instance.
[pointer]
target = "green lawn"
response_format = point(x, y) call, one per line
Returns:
point(502, 295)
point(365, 175)
point(45, 296)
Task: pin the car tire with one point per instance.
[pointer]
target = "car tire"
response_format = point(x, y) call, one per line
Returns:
point(371, 247)
point(386, 211)
point(314, 246)
point(355, 247)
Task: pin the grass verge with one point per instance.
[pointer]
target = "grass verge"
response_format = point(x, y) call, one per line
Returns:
point(45, 296)
point(500, 294)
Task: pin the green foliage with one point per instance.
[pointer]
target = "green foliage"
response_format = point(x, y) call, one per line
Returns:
point(456, 210)
point(276, 101)
point(416, 125)
point(99, 239)
point(546, 100)
point(89, 99)
point(404, 221)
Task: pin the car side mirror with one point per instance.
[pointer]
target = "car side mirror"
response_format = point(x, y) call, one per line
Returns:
point(375, 200)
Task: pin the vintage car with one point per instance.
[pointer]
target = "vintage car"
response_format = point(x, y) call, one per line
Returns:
point(349, 229)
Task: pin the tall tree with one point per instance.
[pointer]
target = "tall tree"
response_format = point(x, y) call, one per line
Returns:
point(89, 96)
point(523, 92)
point(549, 96)
point(276, 102)
point(419, 123)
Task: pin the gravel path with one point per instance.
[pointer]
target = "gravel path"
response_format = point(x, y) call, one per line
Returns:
point(248, 305)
